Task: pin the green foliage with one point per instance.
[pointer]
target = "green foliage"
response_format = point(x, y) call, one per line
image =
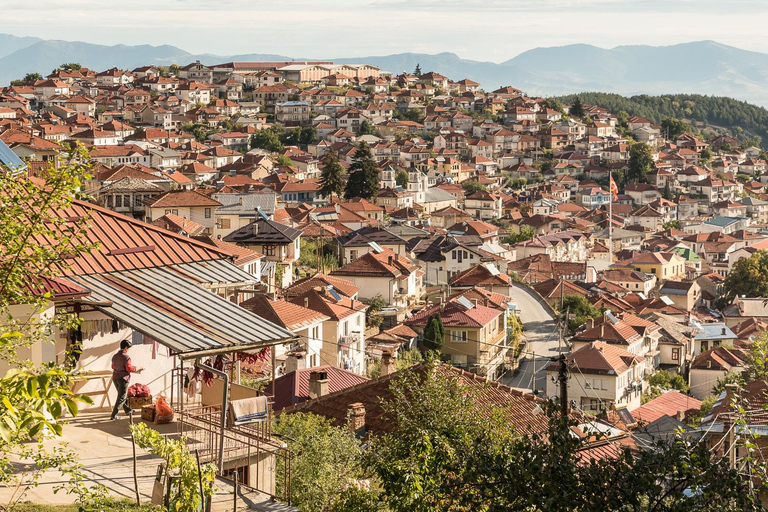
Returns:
point(667, 192)
point(327, 461)
point(737, 116)
point(201, 131)
point(434, 334)
point(672, 224)
point(185, 490)
point(472, 186)
point(444, 455)
point(35, 399)
point(408, 114)
point(308, 255)
point(363, 178)
point(640, 162)
point(332, 175)
point(366, 128)
point(663, 380)
point(526, 233)
point(29, 78)
point(109, 504)
point(672, 128)
point(748, 277)
point(284, 160)
point(417, 70)
point(268, 139)
point(577, 109)
point(581, 310)
point(401, 178)
point(406, 358)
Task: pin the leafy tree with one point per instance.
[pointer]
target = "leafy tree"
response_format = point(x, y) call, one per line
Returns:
point(640, 162)
point(577, 109)
point(267, 139)
point(363, 178)
point(366, 128)
point(308, 135)
point(332, 175)
point(751, 141)
point(401, 178)
point(284, 160)
point(526, 233)
point(29, 78)
point(748, 277)
point(580, 308)
point(672, 128)
point(449, 452)
point(705, 156)
point(666, 380)
point(174, 69)
point(408, 114)
point(327, 461)
point(472, 186)
point(71, 66)
point(417, 71)
point(35, 398)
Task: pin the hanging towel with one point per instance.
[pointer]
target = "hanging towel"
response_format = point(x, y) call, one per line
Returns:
point(247, 410)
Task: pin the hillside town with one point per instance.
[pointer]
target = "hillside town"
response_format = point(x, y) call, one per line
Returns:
point(283, 238)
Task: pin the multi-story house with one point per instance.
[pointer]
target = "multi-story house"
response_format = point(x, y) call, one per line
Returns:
point(601, 376)
point(475, 335)
point(187, 204)
point(483, 204)
point(383, 272)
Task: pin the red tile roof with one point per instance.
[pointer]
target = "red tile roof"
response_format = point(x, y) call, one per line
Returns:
point(293, 388)
point(454, 314)
point(669, 403)
point(291, 316)
point(176, 198)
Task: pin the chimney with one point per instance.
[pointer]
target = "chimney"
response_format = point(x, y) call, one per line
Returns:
point(356, 417)
point(255, 228)
point(389, 260)
point(318, 384)
point(388, 364)
point(306, 302)
point(723, 331)
point(680, 415)
point(292, 362)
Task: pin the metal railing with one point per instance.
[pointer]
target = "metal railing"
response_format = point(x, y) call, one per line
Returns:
point(254, 449)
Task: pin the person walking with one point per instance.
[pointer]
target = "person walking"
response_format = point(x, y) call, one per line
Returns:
point(121, 376)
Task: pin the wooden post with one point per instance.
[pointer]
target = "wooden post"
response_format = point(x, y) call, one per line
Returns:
point(135, 476)
point(234, 506)
point(200, 479)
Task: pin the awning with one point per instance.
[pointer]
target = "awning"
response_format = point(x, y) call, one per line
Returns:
point(167, 306)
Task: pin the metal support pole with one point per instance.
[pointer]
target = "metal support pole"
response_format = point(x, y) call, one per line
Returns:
point(224, 406)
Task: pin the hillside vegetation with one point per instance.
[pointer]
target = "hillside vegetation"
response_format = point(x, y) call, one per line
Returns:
point(738, 118)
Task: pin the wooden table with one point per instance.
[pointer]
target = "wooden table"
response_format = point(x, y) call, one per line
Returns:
point(106, 381)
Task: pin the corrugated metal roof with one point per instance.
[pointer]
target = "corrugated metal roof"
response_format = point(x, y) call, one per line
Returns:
point(126, 243)
point(167, 306)
point(214, 272)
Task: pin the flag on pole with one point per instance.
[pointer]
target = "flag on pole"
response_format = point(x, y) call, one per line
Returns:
point(614, 188)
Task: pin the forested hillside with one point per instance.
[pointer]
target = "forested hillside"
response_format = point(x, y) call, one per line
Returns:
point(740, 118)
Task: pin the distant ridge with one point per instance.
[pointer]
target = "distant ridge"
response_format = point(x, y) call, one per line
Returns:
point(702, 67)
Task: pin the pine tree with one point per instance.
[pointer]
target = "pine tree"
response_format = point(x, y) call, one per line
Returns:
point(363, 178)
point(667, 194)
point(401, 178)
point(332, 176)
point(577, 109)
point(434, 334)
point(417, 71)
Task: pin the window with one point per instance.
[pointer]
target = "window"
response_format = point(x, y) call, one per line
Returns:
point(459, 336)
point(352, 255)
point(118, 201)
point(459, 360)
point(268, 250)
point(137, 200)
point(127, 201)
point(109, 201)
point(593, 404)
point(225, 223)
point(675, 354)
point(207, 213)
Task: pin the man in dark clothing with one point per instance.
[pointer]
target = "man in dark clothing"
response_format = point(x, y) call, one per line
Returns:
point(121, 377)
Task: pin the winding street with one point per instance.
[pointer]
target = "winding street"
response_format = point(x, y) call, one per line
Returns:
point(540, 334)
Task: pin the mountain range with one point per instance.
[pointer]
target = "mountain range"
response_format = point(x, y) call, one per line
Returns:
point(703, 67)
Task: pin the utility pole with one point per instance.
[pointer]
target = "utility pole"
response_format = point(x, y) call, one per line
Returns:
point(533, 374)
point(562, 377)
point(732, 447)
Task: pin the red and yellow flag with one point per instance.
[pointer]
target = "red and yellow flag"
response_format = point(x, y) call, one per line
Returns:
point(614, 188)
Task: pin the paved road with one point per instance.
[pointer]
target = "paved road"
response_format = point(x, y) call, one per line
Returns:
point(541, 338)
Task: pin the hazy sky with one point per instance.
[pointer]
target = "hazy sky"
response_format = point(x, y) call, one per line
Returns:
point(492, 30)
